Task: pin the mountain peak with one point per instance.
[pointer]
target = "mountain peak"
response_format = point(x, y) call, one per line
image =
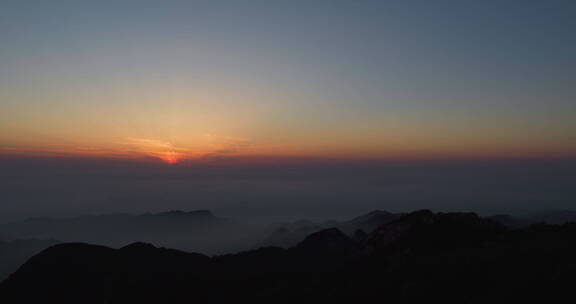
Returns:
point(330, 240)
point(138, 246)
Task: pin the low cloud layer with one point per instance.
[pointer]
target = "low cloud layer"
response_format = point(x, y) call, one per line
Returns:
point(72, 186)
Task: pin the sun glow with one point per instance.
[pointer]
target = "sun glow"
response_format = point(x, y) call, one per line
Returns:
point(163, 150)
point(169, 157)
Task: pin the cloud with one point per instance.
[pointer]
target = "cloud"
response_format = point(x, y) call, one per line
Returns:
point(163, 150)
point(215, 148)
point(226, 146)
point(211, 147)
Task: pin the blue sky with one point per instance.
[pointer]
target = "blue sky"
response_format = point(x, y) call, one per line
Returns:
point(320, 77)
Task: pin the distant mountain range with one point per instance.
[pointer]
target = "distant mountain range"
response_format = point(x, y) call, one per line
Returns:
point(196, 230)
point(95, 226)
point(289, 234)
point(419, 257)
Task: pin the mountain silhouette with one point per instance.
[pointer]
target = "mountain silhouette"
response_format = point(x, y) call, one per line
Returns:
point(288, 235)
point(14, 253)
point(418, 257)
point(367, 222)
point(427, 230)
point(328, 243)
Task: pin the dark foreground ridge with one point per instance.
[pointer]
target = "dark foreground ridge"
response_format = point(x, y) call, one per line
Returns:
point(420, 257)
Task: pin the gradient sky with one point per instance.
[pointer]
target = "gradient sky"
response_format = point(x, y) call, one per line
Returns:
point(340, 79)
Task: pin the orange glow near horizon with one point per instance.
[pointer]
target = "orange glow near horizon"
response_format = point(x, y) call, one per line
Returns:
point(179, 126)
point(170, 138)
point(170, 157)
point(239, 150)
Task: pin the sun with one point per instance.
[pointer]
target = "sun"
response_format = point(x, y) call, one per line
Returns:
point(169, 157)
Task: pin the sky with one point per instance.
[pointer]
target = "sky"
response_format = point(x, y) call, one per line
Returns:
point(286, 107)
point(201, 80)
